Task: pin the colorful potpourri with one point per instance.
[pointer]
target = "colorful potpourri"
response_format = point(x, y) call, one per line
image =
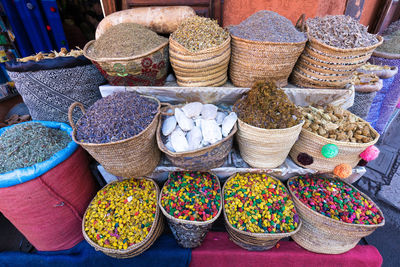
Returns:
point(122, 214)
point(193, 196)
point(257, 203)
point(335, 199)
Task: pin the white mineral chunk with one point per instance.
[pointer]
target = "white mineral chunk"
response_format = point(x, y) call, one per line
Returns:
point(194, 138)
point(168, 125)
point(178, 141)
point(169, 145)
point(204, 143)
point(192, 109)
point(209, 112)
point(184, 122)
point(211, 131)
point(220, 118)
point(228, 123)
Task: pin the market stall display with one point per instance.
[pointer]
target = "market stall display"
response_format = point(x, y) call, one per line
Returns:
point(119, 132)
point(45, 183)
point(264, 46)
point(191, 201)
point(123, 219)
point(335, 215)
point(199, 52)
point(258, 211)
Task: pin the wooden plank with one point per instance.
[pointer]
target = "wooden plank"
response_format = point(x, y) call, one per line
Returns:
point(108, 6)
point(354, 8)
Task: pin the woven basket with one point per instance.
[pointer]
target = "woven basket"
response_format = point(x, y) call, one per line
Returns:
point(132, 157)
point(322, 234)
point(156, 230)
point(364, 97)
point(189, 234)
point(321, 65)
point(312, 143)
point(202, 159)
point(207, 67)
point(253, 241)
point(265, 148)
point(255, 60)
point(148, 69)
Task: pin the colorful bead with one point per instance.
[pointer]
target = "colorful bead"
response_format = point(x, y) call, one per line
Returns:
point(371, 153)
point(329, 151)
point(343, 170)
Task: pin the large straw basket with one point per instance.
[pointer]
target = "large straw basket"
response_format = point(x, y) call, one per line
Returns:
point(321, 65)
point(255, 60)
point(253, 241)
point(148, 69)
point(325, 235)
point(265, 148)
point(312, 143)
point(156, 230)
point(132, 157)
point(202, 159)
point(207, 67)
point(189, 234)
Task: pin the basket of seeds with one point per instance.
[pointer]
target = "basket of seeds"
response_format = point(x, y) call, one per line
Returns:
point(268, 125)
point(332, 136)
point(335, 215)
point(199, 52)
point(191, 201)
point(119, 132)
point(196, 136)
point(123, 220)
point(264, 46)
point(130, 54)
point(258, 211)
point(337, 45)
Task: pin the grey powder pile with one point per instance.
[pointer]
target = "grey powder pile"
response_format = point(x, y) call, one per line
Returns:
point(27, 144)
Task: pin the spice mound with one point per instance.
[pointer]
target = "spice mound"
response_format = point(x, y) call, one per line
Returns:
point(338, 124)
point(199, 33)
point(257, 203)
point(267, 26)
point(29, 143)
point(266, 106)
point(360, 78)
point(192, 196)
point(335, 199)
point(116, 117)
point(121, 214)
point(63, 53)
point(340, 31)
point(126, 40)
point(391, 42)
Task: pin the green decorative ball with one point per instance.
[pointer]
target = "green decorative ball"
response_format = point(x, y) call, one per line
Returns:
point(329, 151)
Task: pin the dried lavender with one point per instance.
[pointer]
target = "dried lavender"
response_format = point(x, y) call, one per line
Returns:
point(199, 33)
point(27, 144)
point(116, 117)
point(267, 26)
point(340, 31)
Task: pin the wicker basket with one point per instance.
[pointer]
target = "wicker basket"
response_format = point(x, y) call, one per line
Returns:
point(202, 159)
point(148, 69)
point(312, 143)
point(189, 234)
point(364, 97)
point(253, 241)
point(265, 148)
point(322, 234)
point(156, 230)
point(207, 67)
point(132, 157)
point(321, 65)
point(255, 60)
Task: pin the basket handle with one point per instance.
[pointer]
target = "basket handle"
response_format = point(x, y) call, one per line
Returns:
point(166, 106)
point(71, 110)
point(300, 24)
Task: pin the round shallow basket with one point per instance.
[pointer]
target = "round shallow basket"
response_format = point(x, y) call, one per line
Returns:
point(255, 60)
point(312, 143)
point(384, 73)
point(207, 67)
point(321, 65)
point(202, 159)
point(254, 241)
point(325, 235)
point(189, 234)
point(148, 69)
point(156, 230)
point(132, 157)
point(265, 148)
